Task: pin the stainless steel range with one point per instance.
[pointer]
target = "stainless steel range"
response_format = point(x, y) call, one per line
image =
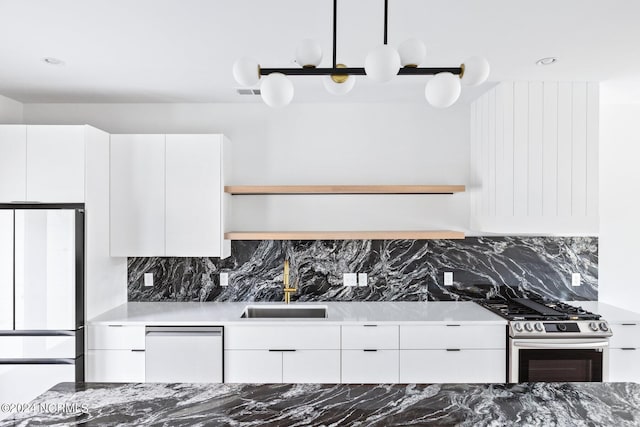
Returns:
point(552, 341)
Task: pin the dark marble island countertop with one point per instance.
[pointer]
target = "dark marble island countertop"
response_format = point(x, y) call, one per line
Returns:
point(533, 404)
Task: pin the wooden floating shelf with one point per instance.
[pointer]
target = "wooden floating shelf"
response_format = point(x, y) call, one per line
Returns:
point(342, 189)
point(343, 235)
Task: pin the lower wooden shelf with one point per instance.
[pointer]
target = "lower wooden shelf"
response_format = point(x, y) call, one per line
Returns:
point(342, 189)
point(343, 235)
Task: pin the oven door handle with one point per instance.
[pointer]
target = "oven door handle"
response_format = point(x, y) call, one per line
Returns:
point(595, 344)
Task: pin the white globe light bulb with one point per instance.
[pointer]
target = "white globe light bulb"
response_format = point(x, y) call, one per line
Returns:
point(308, 53)
point(412, 52)
point(476, 71)
point(246, 71)
point(443, 90)
point(338, 88)
point(382, 64)
point(339, 84)
point(276, 90)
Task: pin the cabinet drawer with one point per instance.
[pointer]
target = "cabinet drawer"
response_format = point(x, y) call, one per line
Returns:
point(442, 366)
point(369, 367)
point(282, 337)
point(116, 366)
point(452, 337)
point(114, 337)
point(311, 366)
point(625, 335)
point(369, 337)
point(624, 365)
point(252, 366)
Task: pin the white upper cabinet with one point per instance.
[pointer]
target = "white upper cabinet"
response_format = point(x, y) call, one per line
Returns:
point(13, 163)
point(194, 191)
point(55, 163)
point(137, 195)
point(42, 163)
point(167, 195)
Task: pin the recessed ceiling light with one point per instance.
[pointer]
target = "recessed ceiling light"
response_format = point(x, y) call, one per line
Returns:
point(547, 61)
point(53, 61)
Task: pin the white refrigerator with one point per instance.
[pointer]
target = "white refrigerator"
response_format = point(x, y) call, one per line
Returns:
point(41, 298)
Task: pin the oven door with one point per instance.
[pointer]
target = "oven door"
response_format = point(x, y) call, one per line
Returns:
point(558, 360)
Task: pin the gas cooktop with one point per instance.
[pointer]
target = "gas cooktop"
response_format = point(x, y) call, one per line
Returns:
point(535, 308)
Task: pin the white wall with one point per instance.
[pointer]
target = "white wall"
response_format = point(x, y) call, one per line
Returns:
point(11, 111)
point(314, 144)
point(619, 204)
point(534, 159)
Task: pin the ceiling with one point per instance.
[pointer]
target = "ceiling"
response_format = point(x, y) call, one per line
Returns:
point(183, 50)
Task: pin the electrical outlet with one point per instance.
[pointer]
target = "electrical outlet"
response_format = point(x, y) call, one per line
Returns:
point(350, 279)
point(224, 279)
point(362, 279)
point(148, 279)
point(575, 279)
point(448, 278)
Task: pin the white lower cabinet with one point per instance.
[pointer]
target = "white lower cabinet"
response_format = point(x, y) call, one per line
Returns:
point(453, 353)
point(288, 353)
point(452, 366)
point(115, 353)
point(115, 366)
point(370, 354)
point(252, 366)
point(370, 366)
point(311, 366)
point(624, 365)
point(282, 366)
point(331, 354)
point(624, 352)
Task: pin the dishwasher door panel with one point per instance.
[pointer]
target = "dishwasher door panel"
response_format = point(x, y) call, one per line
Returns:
point(183, 354)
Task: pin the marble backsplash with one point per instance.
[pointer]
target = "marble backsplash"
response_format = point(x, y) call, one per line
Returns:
point(398, 270)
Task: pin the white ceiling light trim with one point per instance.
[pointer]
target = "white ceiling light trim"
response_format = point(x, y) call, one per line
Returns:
point(381, 65)
point(547, 61)
point(50, 60)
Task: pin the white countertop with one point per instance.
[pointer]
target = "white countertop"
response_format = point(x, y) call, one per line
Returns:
point(222, 313)
point(610, 313)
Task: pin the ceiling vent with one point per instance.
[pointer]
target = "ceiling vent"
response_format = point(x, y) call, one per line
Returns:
point(245, 91)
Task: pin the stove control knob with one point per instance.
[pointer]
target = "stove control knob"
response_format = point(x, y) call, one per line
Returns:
point(528, 327)
point(604, 327)
point(517, 327)
point(539, 327)
point(562, 327)
point(593, 326)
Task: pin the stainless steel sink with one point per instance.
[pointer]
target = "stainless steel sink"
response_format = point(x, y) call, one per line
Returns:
point(284, 312)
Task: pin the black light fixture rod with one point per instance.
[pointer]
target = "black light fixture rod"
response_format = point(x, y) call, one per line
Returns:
point(407, 71)
point(335, 26)
point(386, 18)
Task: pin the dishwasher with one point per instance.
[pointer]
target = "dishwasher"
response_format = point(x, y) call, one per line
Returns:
point(189, 354)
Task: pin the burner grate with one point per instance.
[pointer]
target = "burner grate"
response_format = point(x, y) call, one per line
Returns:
point(536, 309)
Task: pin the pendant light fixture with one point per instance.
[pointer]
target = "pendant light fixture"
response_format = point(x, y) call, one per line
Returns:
point(381, 65)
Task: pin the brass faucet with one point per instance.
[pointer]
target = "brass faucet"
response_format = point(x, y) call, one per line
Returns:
point(287, 290)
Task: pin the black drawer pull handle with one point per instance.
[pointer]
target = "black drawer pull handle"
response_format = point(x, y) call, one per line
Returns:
point(369, 349)
point(629, 324)
point(453, 349)
point(138, 350)
point(628, 348)
point(115, 326)
point(275, 349)
point(453, 325)
point(370, 326)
